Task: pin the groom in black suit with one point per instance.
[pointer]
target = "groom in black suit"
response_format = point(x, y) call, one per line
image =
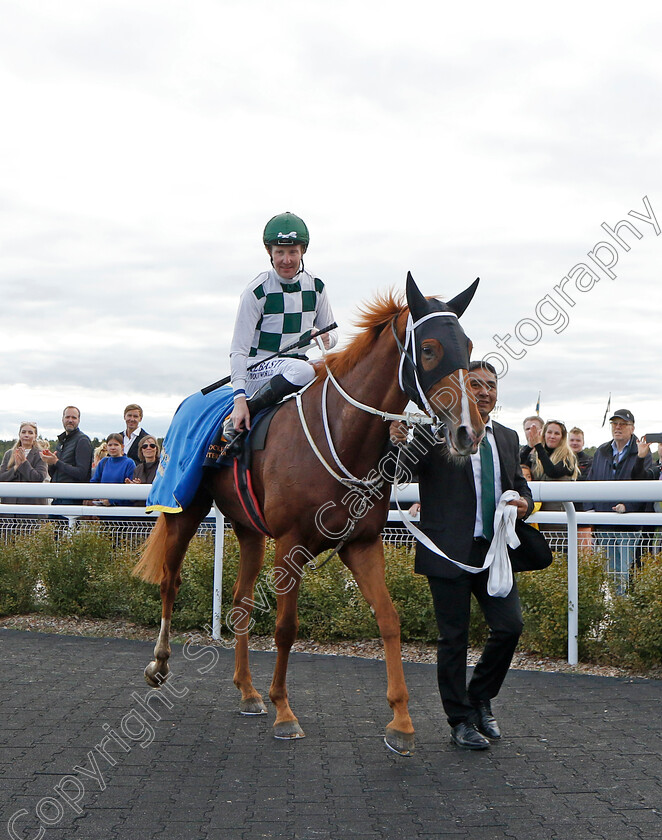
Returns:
point(457, 510)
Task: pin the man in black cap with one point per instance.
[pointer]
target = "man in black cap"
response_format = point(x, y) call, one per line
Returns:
point(618, 460)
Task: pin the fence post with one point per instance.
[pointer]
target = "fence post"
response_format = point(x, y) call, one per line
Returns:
point(219, 537)
point(573, 584)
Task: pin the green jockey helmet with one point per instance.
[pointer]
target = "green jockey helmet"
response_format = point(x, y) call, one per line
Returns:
point(286, 229)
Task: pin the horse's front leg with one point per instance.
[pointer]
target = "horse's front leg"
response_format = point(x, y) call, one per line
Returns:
point(286, 725)
point(366, 562)
point(251, 548)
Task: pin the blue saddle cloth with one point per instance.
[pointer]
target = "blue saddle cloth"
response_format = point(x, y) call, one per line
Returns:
point(192, 430)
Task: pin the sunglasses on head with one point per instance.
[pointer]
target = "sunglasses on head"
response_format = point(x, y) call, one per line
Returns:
point(148, 446)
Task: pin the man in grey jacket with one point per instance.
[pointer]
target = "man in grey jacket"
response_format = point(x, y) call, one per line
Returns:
point(72, 460)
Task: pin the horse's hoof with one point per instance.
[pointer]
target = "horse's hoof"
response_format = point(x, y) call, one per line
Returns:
point(153, 676)
point(288, 730)
point(401, 743)
point(252, 706)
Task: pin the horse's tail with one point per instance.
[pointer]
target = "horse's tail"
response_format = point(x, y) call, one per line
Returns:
point(152, 556)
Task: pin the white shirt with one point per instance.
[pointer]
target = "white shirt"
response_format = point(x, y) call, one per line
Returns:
point(129, 440)
point(475, 466)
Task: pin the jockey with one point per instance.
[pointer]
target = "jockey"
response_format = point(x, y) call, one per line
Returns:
point(276, 309)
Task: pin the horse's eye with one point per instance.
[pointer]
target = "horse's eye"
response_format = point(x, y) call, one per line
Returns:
point(431, 354)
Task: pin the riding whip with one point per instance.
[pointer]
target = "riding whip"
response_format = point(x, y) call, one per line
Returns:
point(297, 345)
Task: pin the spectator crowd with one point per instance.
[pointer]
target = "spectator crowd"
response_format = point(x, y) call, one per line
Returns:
point(130, 456)
point(551, 453)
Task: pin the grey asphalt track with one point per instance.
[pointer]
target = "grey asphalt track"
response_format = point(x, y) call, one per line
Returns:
point(581, 756)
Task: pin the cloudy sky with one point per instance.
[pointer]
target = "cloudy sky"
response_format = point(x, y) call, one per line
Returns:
point(145, 144)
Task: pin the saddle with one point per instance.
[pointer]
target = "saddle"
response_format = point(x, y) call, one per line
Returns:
point(254, 442)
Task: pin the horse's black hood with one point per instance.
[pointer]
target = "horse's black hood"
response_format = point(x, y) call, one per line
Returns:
point(432, 318)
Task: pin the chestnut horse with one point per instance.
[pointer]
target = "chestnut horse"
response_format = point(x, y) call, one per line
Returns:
point(309, 506)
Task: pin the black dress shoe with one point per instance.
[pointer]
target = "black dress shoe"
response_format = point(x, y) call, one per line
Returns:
point(485, 722)
point(467, 737)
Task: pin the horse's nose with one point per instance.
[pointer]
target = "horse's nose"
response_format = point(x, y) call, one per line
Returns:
point(466, 440)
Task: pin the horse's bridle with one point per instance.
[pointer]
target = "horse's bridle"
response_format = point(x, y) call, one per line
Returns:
point(408, 374)
point(410, 418)
point(365, 486)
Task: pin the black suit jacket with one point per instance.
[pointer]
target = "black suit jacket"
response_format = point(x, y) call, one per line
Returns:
point(134, 449)
point(448, 501)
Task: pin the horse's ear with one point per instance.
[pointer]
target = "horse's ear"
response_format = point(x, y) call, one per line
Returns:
point(418, 305)
point(461, 301)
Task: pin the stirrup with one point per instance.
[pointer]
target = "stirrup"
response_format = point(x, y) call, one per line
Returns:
point(216, 450)
point(234, 447)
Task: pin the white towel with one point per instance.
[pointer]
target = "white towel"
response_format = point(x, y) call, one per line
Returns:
point(500, 580)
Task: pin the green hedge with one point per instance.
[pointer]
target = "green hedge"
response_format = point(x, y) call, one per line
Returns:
point(19, 573)
point(633, 629)
point(87, 572)
point(544, 597)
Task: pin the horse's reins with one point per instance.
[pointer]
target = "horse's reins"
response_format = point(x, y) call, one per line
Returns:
point(348, 479)
point(410, 418)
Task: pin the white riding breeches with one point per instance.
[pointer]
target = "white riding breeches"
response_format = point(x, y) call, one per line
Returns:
point(296, 371)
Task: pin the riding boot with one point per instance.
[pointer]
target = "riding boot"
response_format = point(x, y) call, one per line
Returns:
point(268, 394)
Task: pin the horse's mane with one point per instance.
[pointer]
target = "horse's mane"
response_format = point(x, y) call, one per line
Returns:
point(373, 317)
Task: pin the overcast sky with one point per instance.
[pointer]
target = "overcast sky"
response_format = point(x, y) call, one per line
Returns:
point(145, 144)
